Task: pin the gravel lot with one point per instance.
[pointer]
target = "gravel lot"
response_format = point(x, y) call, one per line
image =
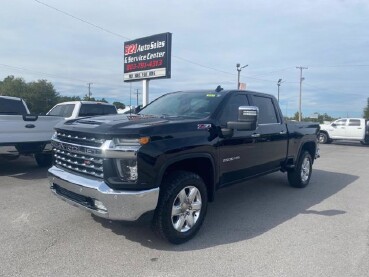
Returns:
point(257, 228)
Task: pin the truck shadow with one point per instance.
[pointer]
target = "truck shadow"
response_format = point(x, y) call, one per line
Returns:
point(24, 168)
point(245, 211)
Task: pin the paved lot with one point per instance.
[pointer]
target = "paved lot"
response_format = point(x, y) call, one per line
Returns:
point(258, 228)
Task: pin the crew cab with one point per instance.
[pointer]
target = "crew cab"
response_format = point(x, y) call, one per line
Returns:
point(24, 134)
point(345, 129)
point(76, 109)
point(174, 155)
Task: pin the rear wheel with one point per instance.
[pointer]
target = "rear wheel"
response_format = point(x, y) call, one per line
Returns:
point(299, 177)
point(43, 160)
point(181, 208)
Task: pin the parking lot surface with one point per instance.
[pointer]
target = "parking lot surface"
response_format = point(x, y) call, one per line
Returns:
point(258, 228)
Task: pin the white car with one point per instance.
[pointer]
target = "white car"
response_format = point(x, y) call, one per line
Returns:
point(345, 129)
point(22, 133)
point(76, 109)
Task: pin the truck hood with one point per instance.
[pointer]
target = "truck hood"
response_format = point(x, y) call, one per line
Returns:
point(142, 125)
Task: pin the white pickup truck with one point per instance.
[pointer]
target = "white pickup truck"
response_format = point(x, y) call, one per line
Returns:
point(24, 134)
point(345, 129)
point(76, 109)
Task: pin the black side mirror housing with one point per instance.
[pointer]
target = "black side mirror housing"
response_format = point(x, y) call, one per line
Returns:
point(247, 119)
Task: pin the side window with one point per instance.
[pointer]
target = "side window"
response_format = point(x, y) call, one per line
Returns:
point(354, 122)
point(340, 122)
point(230, 111)
point(267, 112)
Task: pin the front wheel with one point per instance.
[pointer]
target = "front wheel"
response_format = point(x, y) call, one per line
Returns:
point(323, 138)
point(181, 208)
point(299, 177)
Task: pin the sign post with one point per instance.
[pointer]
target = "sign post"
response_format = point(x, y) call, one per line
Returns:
point(147, 58)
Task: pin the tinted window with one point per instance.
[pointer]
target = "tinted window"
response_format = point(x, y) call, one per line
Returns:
point(354, 122)
point(267, 112)
point(62, 110)
point(96, 109)
point(12, 106)
point(230, 111)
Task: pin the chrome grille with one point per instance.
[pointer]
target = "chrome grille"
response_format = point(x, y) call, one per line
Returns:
point(78, 153)
point(79, 139)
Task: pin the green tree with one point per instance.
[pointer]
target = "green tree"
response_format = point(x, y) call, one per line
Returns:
point(366, 110)
point(40, 96)
point(119, 105)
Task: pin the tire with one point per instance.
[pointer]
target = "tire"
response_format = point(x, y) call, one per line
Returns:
point(43, 160)
point(181, 207)
point(300, 176)
point(323, 138)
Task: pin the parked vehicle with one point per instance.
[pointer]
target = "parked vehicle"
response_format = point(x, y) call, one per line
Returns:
point(345, 129)
point(24, 134)
point(76, 109)
point(175, 154)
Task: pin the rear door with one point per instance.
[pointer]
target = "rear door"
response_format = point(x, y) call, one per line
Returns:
point(272, 135)
point(355, 128)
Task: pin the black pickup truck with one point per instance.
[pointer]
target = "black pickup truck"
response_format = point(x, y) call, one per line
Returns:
point(175, 154)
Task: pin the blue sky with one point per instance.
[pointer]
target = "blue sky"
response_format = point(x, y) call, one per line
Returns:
point(330, 37)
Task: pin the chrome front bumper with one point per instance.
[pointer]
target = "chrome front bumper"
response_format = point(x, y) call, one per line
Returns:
point(96, 197)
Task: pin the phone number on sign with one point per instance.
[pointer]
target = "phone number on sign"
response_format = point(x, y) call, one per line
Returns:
point(144, 65)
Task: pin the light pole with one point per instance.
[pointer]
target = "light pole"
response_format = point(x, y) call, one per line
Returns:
point(239, 68)
point(279, 84)
point(301, 79)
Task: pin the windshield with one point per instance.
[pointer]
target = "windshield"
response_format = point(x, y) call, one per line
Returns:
point(184, 104)
point(64, 110)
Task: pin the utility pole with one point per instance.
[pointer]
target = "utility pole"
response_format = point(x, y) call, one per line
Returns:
point(137, 93)
point(279, 84)
point(89, 90)
point(301, 79)
point(239, 68)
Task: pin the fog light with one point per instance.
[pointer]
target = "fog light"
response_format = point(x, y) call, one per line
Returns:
point(100, 206)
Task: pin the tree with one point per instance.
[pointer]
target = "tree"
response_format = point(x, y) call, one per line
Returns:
point(366, 110)
point(119, 105)
point(40, 96)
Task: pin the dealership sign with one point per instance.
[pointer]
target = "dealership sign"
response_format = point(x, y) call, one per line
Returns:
point(148, 57)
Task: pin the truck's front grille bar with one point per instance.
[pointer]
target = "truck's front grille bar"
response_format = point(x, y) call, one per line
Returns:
point(80, 139)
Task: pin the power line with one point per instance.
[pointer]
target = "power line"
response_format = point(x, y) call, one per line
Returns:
point(82, 20)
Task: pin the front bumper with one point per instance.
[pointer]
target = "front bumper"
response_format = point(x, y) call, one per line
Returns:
point(96, 197)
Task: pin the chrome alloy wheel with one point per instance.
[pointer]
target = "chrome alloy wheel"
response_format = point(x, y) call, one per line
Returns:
point(186, 209)
point(305, 169)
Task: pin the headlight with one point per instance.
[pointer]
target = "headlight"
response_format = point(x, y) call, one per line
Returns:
point(131, 142)
point(127, 169)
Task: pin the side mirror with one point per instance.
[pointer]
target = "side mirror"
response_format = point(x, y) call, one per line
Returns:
point(138, 109)
point(247, 119)
point(333, 124)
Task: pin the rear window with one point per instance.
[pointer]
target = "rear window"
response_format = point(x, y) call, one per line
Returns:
point(96, 109)
point(12, 106)
point(62, 110)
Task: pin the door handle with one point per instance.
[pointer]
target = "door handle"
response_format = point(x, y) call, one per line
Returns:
point(282, 132)
point(255, 135)
point(360, 128)
point(30, 126)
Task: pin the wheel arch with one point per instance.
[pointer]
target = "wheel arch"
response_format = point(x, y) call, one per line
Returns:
point(309, 146)
point(201, 164)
